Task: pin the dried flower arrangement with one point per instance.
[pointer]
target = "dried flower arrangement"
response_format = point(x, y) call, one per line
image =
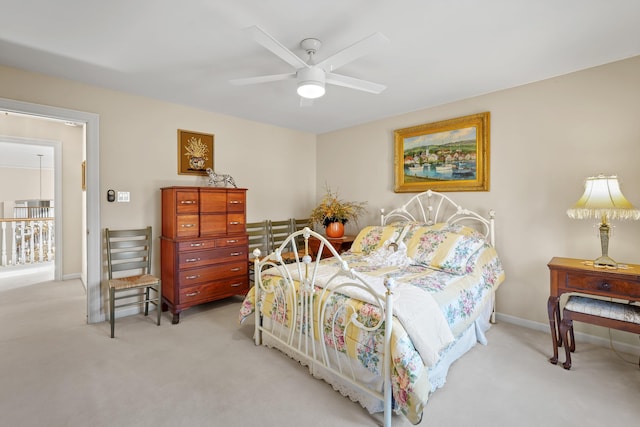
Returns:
point(332, 209)
point(196, 148)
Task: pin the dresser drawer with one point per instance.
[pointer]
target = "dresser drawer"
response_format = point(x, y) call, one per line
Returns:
point(222, 242)
point(187, 202)
point(195, 245)
point(231, 254)
point(213, 224)
point(212, 201)
point(194, 276)
point(236, 201)
point(194, 259)
point(187, 226)
point(602, 285)
point(236, 223)
point(212, 291)
point(232, 241)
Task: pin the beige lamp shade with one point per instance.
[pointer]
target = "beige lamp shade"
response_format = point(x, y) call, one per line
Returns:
point(603, 199)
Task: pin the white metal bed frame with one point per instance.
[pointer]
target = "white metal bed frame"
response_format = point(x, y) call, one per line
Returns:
point(431, 207)
point(298, 342)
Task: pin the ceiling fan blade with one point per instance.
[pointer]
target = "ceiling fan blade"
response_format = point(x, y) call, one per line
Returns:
point(262, 79)
point(353, 83)
point(353, 52)
point(266, 40)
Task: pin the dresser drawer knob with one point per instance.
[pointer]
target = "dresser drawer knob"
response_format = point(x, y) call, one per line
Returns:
point(235, 285)
point(188, 202)
point(195, 276)
point(196, 245)
point(232, 241)
point(235, 269)
point(192, 294)
point(235, 254)
point(234, 222)
point(188, 225)
point(192, 259)
point(604, 286)
point(234, 202)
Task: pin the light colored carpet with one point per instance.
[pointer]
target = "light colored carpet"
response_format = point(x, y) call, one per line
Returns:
point(55, 370)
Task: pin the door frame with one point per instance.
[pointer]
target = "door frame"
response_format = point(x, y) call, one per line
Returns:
point(95, 312)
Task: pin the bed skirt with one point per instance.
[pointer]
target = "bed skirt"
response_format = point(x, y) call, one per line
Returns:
point(475, 333)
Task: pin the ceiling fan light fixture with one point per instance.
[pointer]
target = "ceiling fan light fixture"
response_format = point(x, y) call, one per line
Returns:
point(311, 82)
point(311, 89)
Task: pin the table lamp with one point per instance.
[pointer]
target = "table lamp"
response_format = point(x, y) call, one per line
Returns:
point(602, 199)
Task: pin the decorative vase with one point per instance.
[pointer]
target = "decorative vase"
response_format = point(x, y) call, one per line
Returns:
point(196, 163)
point(335, 230)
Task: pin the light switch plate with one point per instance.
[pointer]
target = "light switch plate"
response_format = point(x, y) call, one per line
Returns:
point(123, 196)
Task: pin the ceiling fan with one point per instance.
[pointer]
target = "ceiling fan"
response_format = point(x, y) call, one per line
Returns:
point(312, 77)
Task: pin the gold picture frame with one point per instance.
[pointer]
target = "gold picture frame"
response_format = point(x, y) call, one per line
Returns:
point(195, 152)
point(449, 155)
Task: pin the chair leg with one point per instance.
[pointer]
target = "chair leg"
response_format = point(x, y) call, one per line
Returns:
point(566, 329)
point(572, 346)
point(159, 303)
point(146, 300)
point(112, 310)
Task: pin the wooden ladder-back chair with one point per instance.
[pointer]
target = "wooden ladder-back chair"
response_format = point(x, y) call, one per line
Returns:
point(129, 267)
point(258, 233)
point(298, 224)
point(279, 231)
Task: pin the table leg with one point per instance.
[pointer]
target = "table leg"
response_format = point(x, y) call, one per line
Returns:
point(553, 309)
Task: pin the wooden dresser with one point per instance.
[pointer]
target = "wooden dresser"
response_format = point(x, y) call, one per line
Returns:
point(204, 246)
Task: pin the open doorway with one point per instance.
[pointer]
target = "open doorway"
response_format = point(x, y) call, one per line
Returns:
point(90, 252)
point(28, 216)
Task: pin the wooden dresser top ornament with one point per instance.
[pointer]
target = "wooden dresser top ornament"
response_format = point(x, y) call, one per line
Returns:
point(220, 180)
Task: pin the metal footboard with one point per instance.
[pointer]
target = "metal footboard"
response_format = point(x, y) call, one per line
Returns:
point(306, 312)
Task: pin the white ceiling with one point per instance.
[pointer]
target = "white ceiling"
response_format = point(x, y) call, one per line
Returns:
point(440, 50)
point(28, 156)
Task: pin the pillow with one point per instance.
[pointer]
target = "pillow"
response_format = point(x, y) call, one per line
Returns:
point(465, 230)
point(444, 247)
point(413, 230)
point(373, 237)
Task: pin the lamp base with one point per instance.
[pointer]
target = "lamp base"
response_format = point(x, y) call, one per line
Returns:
point(605, 262)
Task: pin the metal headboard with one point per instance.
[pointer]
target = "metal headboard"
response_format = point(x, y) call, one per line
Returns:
point(432, 207)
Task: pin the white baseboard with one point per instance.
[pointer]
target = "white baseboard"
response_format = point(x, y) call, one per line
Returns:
point(579, 336)
point(71, 276)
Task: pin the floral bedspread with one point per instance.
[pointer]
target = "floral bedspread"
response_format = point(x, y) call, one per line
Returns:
point(453, 265)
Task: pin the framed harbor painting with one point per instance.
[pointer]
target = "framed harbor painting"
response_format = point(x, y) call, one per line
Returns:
point(450, 155)
point(195, 152)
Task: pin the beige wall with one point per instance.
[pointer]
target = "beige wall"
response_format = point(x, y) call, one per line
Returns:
point(138, 153)
point(546, 137)
point(28, 187)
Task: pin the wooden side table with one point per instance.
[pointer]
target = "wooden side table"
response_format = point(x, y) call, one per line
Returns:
point(340, 244)
point(580, 276)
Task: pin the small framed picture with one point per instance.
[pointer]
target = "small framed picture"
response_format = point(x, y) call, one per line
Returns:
point(195, 152)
